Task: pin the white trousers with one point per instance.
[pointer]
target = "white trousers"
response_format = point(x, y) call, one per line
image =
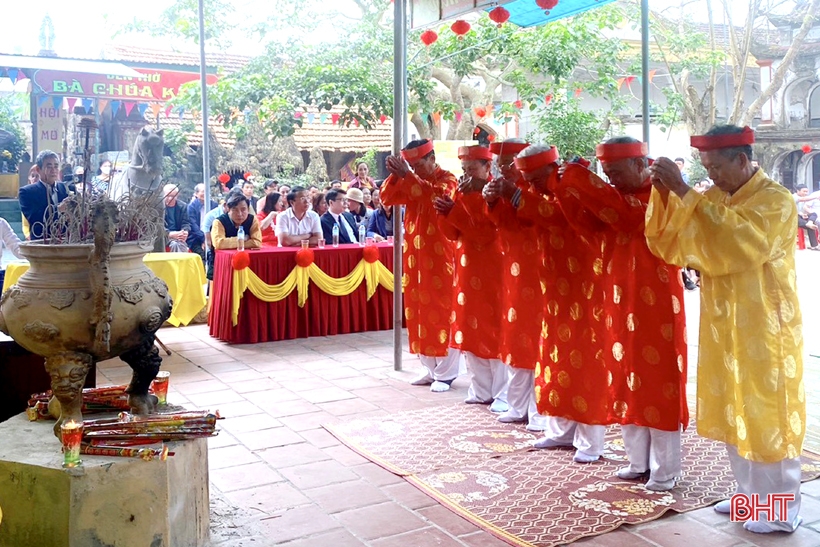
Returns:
point(442, 369)
point(521, 392)
point(760, 478)
point(653, 450)
point(490, 381)
point(589, 439)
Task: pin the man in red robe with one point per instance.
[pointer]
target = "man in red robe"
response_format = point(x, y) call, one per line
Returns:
point(428, 259)
point(571, 378)
point(522, 302)
point(476, 303)
point(644, 318)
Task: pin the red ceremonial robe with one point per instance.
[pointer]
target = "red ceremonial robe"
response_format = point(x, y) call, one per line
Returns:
point(428, 259)
point(477, 282)
point(571, 378)
point(522, 301)
point(645, 323)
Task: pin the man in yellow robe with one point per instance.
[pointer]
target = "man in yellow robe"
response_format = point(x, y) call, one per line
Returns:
point(740, 235)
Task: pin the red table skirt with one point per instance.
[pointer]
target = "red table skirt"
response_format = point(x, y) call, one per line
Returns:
point(322, 315)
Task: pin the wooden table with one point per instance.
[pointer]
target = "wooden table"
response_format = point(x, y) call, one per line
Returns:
point(322, 314)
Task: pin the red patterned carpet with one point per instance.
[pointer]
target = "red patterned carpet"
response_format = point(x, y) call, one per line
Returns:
point(488, 473)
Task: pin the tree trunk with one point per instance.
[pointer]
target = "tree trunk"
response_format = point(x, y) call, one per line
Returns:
point(779, 76)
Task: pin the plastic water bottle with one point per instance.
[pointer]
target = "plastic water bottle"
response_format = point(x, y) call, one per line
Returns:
point(240, 239)
point(362, 235)
point(336, 235)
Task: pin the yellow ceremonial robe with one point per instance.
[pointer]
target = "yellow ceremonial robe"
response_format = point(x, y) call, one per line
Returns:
point(750, 367)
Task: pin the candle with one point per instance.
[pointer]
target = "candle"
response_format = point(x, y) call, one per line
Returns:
point(160, 386)
point(71, 433)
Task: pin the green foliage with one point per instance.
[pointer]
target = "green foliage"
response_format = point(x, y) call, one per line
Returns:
point(181, 20)
point(9, 116)
point(563, 123)
point(354, 75)
point(175, 165)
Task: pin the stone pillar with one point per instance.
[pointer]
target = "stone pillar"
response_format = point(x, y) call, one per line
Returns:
point(107, 501)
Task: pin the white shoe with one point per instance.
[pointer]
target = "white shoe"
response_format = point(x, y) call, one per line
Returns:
point(423, 380)
point(511, 417)
point(499, 406)
point(723, 507)
point(475, 401)
point(627, 474)
point(769, 527)
point(660, 486)
point(547, 442)
point(439, 387)
point(583, 457)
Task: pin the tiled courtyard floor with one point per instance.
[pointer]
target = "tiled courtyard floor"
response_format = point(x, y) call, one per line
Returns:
point(278, 478)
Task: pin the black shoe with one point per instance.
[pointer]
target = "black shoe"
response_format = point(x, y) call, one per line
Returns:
point(689, 285)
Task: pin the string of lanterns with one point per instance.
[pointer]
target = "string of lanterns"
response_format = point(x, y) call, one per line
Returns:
point(498, 15)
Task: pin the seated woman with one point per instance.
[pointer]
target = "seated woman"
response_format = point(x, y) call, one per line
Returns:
point(10, 241)
point(273, 205)
point(226, 226)
point(319, 204)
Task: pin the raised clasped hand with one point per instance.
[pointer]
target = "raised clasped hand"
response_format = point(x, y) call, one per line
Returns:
point(443, 205)
point(396, 166)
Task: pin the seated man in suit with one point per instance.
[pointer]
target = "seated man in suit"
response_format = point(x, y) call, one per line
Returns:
point(336, 216)
point(177, 225)
point(39, 201)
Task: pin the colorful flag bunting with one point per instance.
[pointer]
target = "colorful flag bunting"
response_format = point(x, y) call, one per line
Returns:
point(13, 73)
point(382, 118)
point(459, 115)
point(101, 104)
point(310, 117)
point(155, 109)
point(168, 111)
point(71, 101)
point(115, 107)
point(129, 106)
point(334, 118)
point(142, 107)
point(297, 114)
point(41, 100)
point(322, 117)
point(87, 104)
point(57, 102)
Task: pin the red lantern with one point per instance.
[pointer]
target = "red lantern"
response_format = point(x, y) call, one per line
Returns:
point(429, 37)
point(480, 111)
point(371, 254)
point(499, 16)
point(224, 178)
point(240, 260)
point(247, 175)
point(546, 4)
point(518, 104)
point(304, 257)
point(460, 27)
point(806, 148)
point(491, 138)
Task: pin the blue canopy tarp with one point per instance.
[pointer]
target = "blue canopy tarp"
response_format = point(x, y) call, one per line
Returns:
point(526, 13)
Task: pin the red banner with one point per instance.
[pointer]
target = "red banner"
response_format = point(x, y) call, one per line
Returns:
point(154, 86)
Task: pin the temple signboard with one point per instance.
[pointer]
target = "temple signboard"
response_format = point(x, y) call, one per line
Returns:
point(50, 130)
point(424, 13)
point(153, 86)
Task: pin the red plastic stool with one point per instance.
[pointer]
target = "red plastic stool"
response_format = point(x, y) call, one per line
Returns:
point(801, 239)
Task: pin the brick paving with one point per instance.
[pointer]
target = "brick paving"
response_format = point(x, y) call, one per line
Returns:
point(278, 478)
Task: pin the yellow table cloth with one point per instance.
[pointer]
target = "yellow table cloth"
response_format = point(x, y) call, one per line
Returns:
point(9, 185)
point(182, 272)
